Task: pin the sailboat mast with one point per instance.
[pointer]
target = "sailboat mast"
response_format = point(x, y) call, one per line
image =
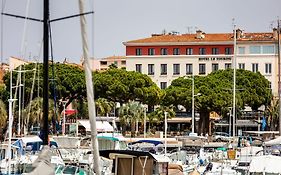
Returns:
point(90, 90)
point(45, 71)
point(234, 83)
point(279, 75)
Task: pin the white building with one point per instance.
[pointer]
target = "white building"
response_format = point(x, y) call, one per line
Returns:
point(165, 57)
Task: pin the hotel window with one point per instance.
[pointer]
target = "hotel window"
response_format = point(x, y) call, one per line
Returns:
point(176, 51)
point(255, 49)
point(189, 70)
point(241, 66)
point(103, 62)
point(164, 51)
point(268, 49)
point(227, 65)
point(163, 69)
point(163, 85)
point(189, 51)
point(268, 68)
point(138, 68)
point(176, 68)
point(138, 51)
point(150, 69)
point(241, 50)
point(270, 85)
point(123, 62)
point(215, 51)
point(255, 67)
point(215, 66)
point(202, 69)
point(228, 51)
point(202, 51)
point(151, 51)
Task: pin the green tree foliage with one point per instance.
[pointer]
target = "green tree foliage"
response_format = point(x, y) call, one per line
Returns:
point(68, 82)
point(103, 106)
point(4, 95)
point(119, 85)
point(3, 114)
point(216, 91)
point(158, 115)
point(130, 113)
point(34, 111)
point(272, 113)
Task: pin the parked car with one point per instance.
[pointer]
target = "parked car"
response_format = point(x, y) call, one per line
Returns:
point(222, 137)
point(35, 130)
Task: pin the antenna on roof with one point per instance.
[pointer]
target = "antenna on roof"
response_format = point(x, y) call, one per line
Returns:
point(271, 25)
point(189, 29)
point(233, 22)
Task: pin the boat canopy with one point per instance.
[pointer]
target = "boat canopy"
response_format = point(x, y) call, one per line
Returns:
point(154, 142)
point(276, 141)
point(35, 142)
point(108, 138)
point(107, 153)
point(102, 126)
point(265, 164)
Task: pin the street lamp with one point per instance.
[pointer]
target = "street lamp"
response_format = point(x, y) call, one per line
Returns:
point(144, 126)
point(63, 125)
point(193, 108)
point(165, 114)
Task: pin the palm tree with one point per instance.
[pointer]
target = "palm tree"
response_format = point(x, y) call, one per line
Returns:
point(272, 113)
point(104, 106)
point(130, 113)
point(36, 112)
point(158, 115)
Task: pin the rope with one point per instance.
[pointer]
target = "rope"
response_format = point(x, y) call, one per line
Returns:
point(23, 42)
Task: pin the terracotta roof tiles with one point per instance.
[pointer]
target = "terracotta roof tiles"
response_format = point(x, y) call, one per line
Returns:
point(213, 37)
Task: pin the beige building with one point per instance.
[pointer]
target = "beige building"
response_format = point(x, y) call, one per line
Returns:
point(103, 64)
point(14, 62)
point(119, 61)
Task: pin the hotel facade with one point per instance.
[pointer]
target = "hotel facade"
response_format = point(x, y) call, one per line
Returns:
point(165, 57)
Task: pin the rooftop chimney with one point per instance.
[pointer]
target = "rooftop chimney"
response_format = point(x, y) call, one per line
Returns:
point(199, 34)
point(239, 33)
point(275, 33)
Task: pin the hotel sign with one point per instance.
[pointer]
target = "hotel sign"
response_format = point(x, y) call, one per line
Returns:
point(214, 59)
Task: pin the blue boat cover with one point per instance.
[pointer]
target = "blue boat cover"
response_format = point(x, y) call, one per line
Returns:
point(155, 142)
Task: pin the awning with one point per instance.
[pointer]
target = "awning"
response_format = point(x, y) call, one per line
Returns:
point(70, 111)
point(102, 126)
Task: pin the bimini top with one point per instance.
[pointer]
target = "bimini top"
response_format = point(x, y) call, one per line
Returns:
point(154, 142)
point(107, 153)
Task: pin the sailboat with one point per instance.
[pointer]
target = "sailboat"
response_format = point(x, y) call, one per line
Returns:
point(43, 160)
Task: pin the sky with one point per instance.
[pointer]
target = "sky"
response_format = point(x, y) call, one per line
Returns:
point(117, 21)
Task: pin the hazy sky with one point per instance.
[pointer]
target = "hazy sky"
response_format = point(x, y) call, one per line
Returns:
point(116, 21)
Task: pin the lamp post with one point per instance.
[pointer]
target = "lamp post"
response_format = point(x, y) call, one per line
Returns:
point(165, 114)
point(229, 129)
point(144, 126)
point(193, 104)
point(63, 125)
